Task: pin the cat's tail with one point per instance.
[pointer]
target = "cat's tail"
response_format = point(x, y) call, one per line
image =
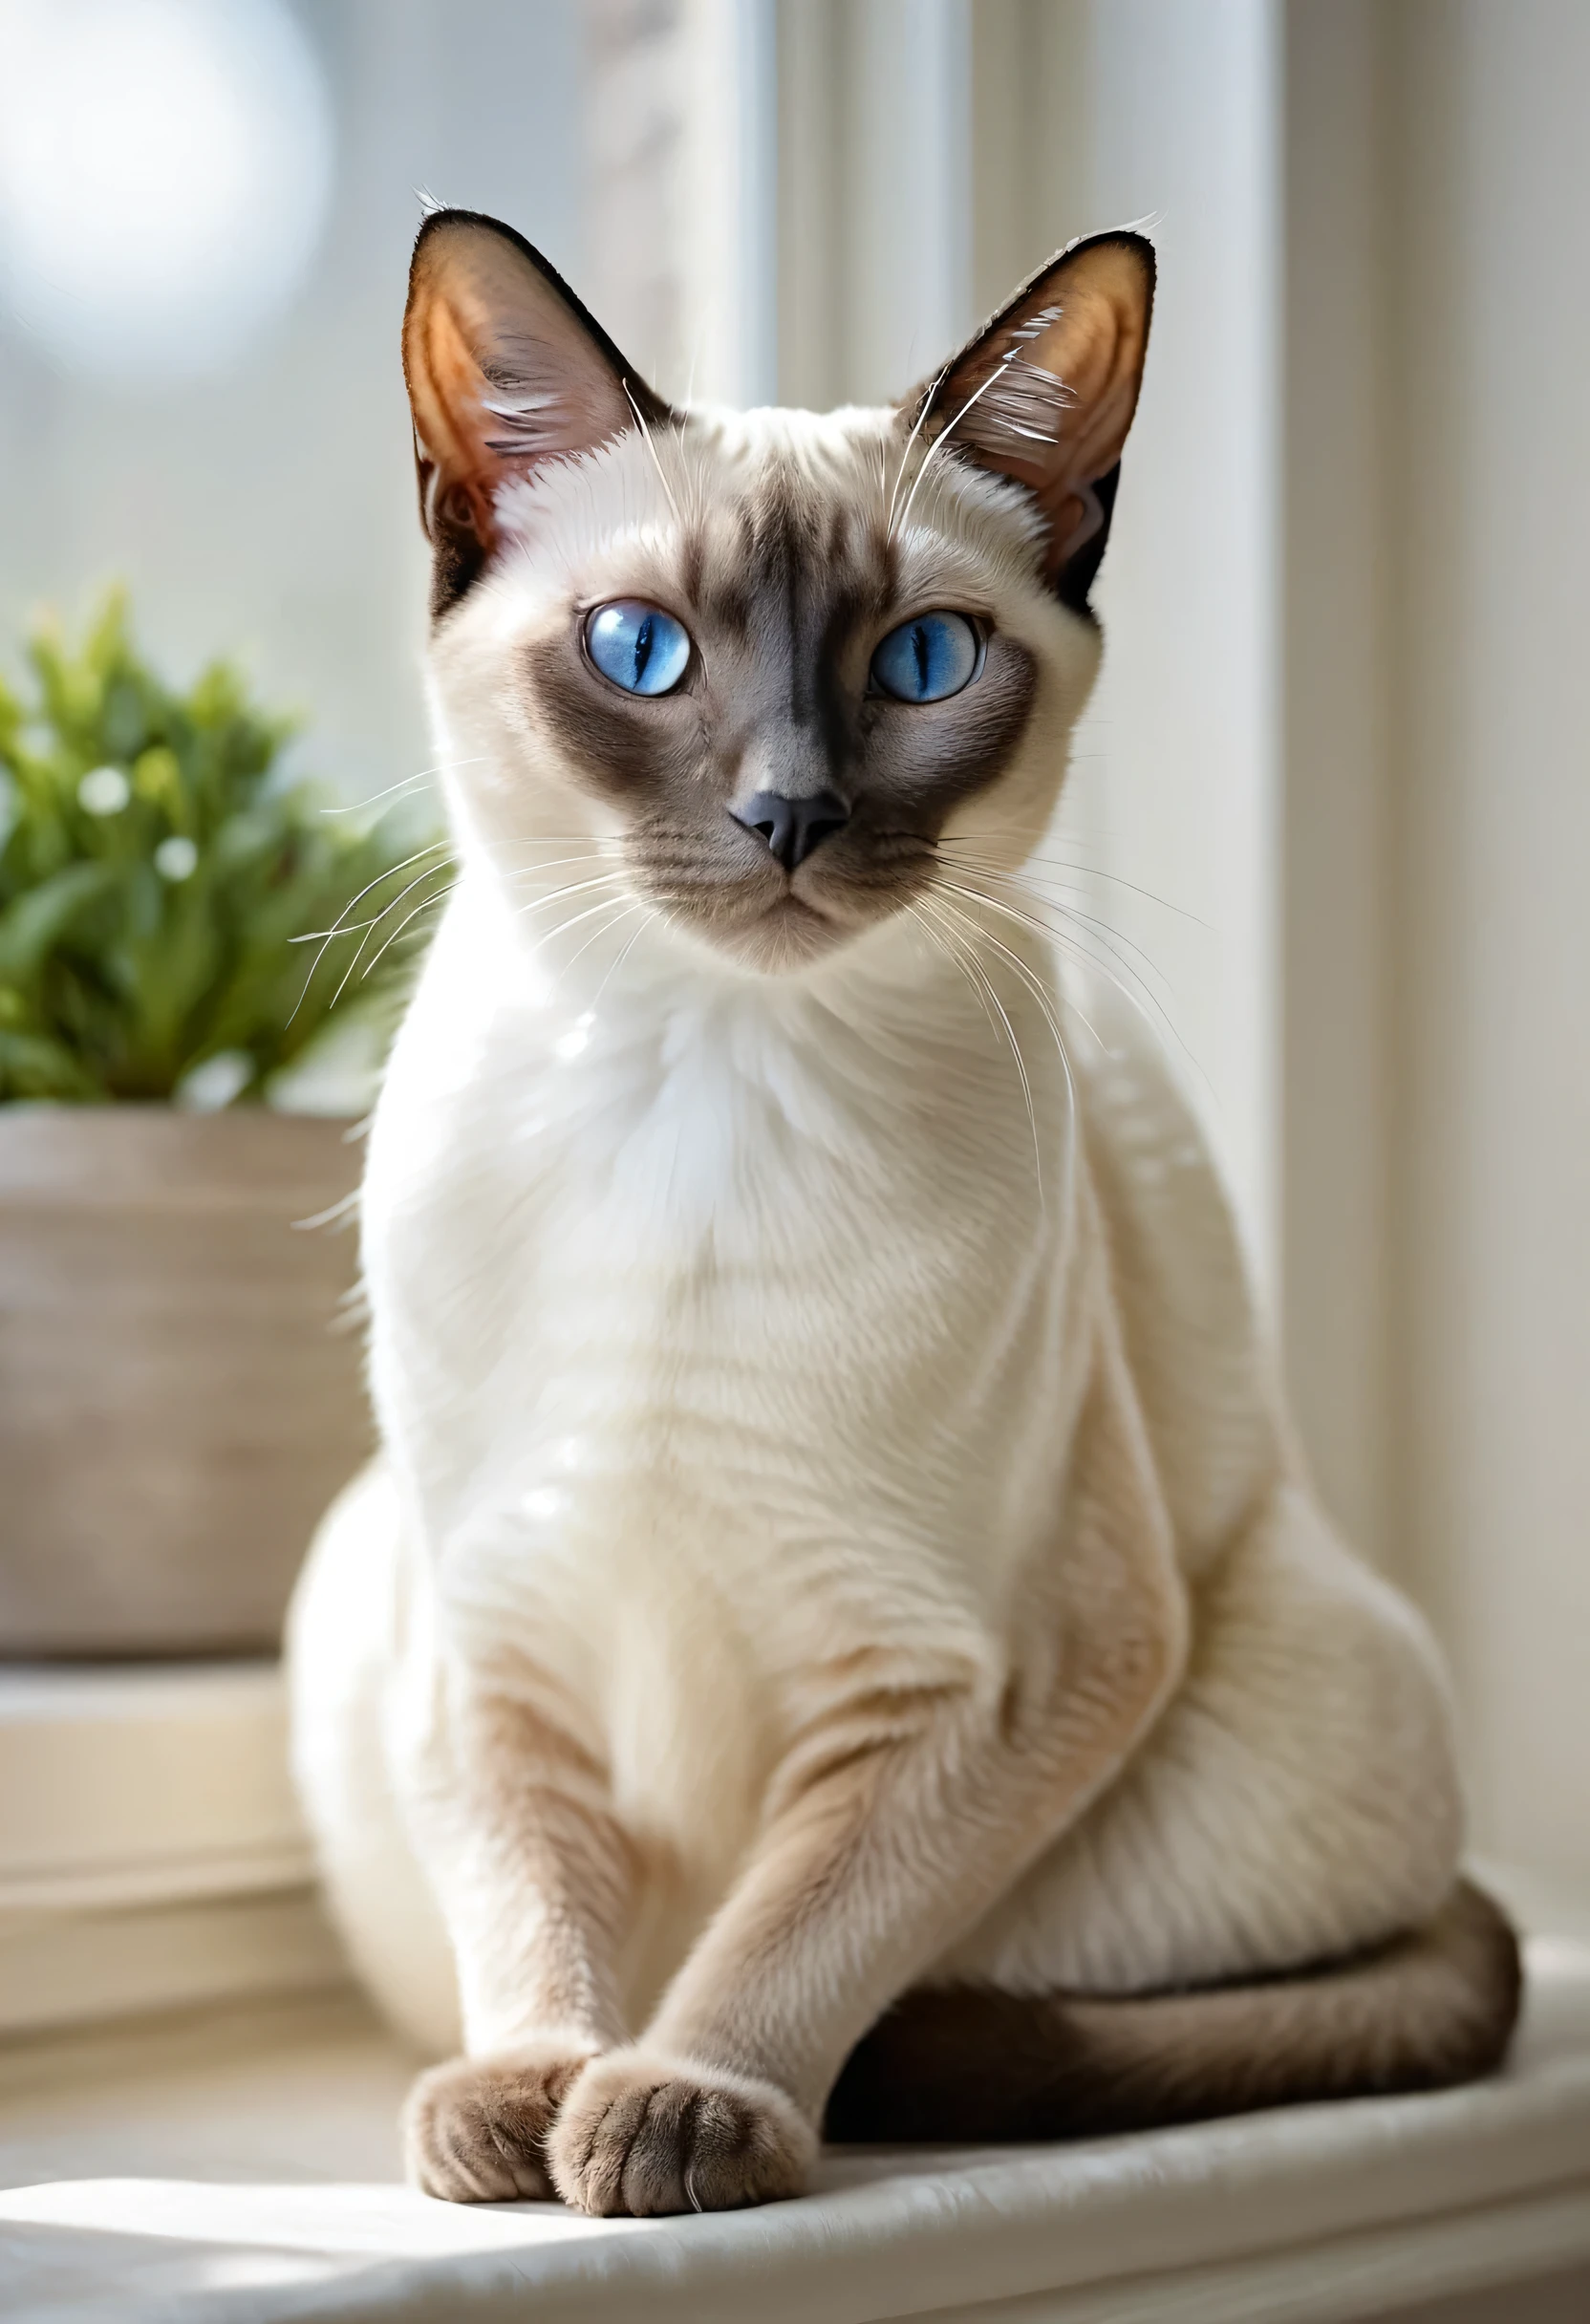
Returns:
point(969, 2063)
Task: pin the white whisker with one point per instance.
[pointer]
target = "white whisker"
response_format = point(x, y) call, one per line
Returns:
point(905, 456)
point(337, 928)
point(559, 895)
point(945, 433)
point(1083, 871)
point(418, 879)
point(1069, 911)
point(558, 863)
point(387, 942)
point(986, 981)
point(1034, 982)
point(613, 966)
point(937, 940)
point(651, 448)
point(1144, 1004)
point(442, 766)
point(551, 935)
point(1036, 986)
point(625, 906)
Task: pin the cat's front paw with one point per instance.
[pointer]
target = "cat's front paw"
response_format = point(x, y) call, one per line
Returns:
point(641, 2133)
point(475, 2130)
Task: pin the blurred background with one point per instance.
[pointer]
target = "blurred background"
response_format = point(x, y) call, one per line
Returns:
point(1330, 808)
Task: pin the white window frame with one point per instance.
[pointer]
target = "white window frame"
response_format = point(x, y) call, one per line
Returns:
point(151, 1850)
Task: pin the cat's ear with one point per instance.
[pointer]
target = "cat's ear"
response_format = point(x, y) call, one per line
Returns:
point(1044, 394)
point(506, 371)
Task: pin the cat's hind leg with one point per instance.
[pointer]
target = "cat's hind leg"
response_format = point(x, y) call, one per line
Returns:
point(344, 1662)
point(1296, 1800)
point(1263, 1907)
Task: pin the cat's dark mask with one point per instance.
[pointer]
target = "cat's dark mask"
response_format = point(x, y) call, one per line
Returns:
point(774, 657)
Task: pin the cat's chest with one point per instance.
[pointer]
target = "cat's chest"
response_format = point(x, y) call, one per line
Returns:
point(641, 1213)
point(720, 1302)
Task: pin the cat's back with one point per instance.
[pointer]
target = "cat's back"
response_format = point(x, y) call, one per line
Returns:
point(1178, 1272)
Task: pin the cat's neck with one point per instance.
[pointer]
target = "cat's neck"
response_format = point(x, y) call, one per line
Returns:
point(899, 1040)
point(911, 986)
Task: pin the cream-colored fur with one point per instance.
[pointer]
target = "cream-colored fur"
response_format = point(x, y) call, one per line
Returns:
point(836, 1524)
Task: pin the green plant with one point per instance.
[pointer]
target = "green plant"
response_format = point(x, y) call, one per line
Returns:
point(156, 868)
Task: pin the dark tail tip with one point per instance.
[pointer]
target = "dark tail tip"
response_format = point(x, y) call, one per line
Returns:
point(1484, 1983)
point(970, 2063)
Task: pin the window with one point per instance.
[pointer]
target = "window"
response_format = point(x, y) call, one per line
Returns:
point(1296, 822)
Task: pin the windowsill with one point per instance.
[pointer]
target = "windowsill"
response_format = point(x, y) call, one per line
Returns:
point(151, 1855)
point(157, 2170)
point(151, 1851)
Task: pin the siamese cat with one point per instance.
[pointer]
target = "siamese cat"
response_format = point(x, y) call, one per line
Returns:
point(839, 1638)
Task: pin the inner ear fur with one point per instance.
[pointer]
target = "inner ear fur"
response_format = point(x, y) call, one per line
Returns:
point(1045, 392)
point(506, 371)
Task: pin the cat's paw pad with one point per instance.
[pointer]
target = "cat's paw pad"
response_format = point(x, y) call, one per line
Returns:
point(475, 2129)
point(642, 2134)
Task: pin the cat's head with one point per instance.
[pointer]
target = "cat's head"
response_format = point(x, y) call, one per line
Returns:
point(770, 663)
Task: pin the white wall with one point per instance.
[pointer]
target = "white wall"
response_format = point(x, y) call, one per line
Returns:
point(1339, 976)
point(1437, 820)
point(1493, 887)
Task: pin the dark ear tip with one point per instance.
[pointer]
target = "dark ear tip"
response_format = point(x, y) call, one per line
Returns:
point(450, 224)
point(443, 221)
point(1114, 238)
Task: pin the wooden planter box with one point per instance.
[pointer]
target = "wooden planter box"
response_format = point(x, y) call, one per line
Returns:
point(181, 1388)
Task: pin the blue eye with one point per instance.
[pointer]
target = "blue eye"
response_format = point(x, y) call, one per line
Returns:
point(639, 647)
point(926, 660)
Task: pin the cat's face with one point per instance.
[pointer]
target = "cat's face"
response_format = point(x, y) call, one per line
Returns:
point(829, 694)
point(765, 663)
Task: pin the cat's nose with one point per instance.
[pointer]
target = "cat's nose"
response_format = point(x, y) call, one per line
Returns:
point(793, 826)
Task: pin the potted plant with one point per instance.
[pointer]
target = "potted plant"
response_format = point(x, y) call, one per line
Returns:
point(178, 1402)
